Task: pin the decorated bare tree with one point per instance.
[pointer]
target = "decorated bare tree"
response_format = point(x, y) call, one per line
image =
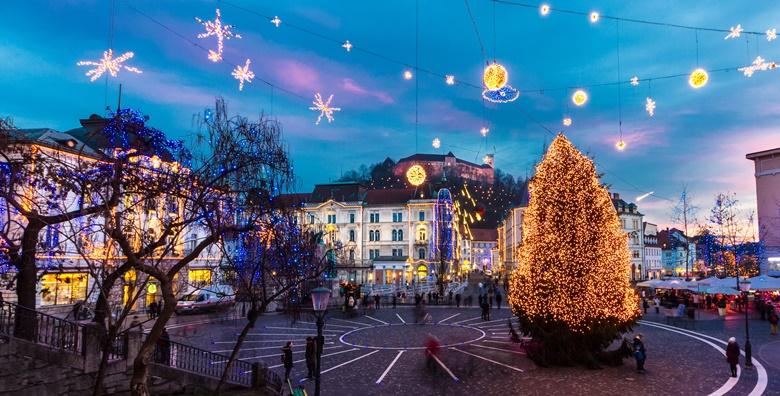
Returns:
point(734, 241)
point(571, 288)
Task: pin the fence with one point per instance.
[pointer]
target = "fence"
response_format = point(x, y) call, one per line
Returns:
point(200, 361)
point(47, 330)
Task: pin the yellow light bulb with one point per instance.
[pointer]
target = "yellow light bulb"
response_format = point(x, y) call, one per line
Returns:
point(407, 75)
point(544, 9)
point(620, 145)
point(698, 78)
point(579, 97)
point(594, 17)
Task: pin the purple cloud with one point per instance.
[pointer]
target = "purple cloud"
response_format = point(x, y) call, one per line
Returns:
point(349, 85)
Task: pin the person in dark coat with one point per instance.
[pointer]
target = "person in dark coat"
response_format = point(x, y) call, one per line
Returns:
point(457, 300)
point(394, 300)
point(376, 301)
point(498, 299)
point(287, 359)
point(310, 356)
point(640, 354)
point(732, 355)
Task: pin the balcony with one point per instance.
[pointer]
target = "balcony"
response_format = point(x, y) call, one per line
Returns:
point(420, 242)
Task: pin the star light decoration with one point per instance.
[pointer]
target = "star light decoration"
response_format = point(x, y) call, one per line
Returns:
point(324, 108)
point(650, 106)
point(567, 121)
point(243, 74)
point(347, 46)
point(771, 34)
point(109, 64)
point(484, 131)
point(436, 143)
point(734, 32)
point(634, 81)
point(220, 31)
point(408, 75)
point(276, 21)
point(449, 79)
point(759, 64)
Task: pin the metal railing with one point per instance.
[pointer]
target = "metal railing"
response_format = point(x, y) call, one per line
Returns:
point(200, 361)
point(40, 328)
point(118, 347)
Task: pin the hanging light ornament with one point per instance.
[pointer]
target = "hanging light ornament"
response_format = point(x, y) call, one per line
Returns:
point(484, 131)
point(415, 175)
point(734, 32)
point(347, 46)
point(579, 98)
point(408, 75)
point(634, 81)
point(698, 78)
point(219, 30)
point(620, 145)
point(324, 108)
point(436, 143)
point(566, 121)
point(759, 64)
point(495, 78)
point(243, 74)
point(109, 64)
point(650, 106)
point(544, 9)
point(449, 79)
point(276, 21)
point(594, 17)
point(771, 34)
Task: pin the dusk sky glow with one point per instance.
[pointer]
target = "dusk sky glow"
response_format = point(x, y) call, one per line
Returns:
point(696, 137)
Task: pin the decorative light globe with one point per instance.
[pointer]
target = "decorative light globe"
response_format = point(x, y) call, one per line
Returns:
point(579, 97)
point(698, 78)
point(495, 76)
point(415, 175)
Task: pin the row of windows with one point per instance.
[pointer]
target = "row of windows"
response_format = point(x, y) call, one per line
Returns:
point(398, 217)
point(374, 253)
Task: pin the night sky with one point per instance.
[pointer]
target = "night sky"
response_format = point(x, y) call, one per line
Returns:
point(697, 137)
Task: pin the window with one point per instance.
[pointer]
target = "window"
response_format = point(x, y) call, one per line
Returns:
point(331, 219)
point(398, 217)
point(199, 277)
point(636, 224)
point(373, 217)
point(400, 235)
point(63, 288)
point(421, 254)
point(422, 215)
point(376, 253)
point(371, 254)
point(311, 219)
point(376, 235)
point(636, 253)
point(394, 252)
point(352, 235)
point(394, 234)
point(421, 234)
point(352, 218)
point(371, 235)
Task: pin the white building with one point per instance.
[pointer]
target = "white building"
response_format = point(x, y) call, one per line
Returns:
point(631, 222)
point(386, 236)
point(510, 235)
point(482, 244)
point(652, 264)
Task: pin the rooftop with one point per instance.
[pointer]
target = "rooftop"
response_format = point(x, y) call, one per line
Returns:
point(758, 154)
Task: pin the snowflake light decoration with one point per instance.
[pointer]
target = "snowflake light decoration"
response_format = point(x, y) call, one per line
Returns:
point(484, 131)
point(243, 74)
point(220, 31)
point(276, 21)
point(324, 108)
point(734, 32)
point(759, 64)
point(408, 75)
point(109, 64)
point(634, 81)
point(567, 121)
point(650, 106)
point(347, 46)
point(449, 79)
point(436, 143)
point(771, 34)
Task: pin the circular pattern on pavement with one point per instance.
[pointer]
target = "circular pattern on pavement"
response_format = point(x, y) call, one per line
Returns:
point(411, 336)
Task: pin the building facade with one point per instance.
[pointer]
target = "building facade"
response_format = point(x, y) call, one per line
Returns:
point(676, 250)
point(652, 264)
point(631, 222)
point(438, 166)
point(510, 237)
point(767, 174)
point(482, 246)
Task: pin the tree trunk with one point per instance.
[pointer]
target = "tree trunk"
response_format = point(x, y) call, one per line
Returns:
point(138, 382)
point(105, 348)
point(27, 281)
point(251, 320)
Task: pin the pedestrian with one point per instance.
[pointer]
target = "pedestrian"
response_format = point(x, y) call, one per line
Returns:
point(394, 298)
point(152, 310)
point(310, 353)
point(498, 299)
point(287, 359)
point(732, 355)
point(773, 321)
point(457, 300)
point(708, 301)
point(449, 298)
point(657, 303)
point(639, 354)
point(163, 350)
point(429, 298)
point(490, 297)
point(645, 305)
point(485, 311)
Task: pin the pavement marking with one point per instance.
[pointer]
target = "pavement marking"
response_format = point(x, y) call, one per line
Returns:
point(343, 337)
point(498, 326)
point(493, 321)
point(499, 342)
point(252, 341)
point(348, 361)
point(330, 324)
point(402, 319)
point(328, 354)
point(352, 321)
point(489, 360)
point(276, 354)
point(261, 348)
point(380, 321)
point(449, 317)
point(732, 381)
point(445, 367)
point(387, 370)
point(499, 349)
point(289, 335)
point(466, 320)
point(298, 328)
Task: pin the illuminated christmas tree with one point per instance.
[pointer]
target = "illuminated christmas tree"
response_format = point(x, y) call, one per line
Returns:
point(571, 288)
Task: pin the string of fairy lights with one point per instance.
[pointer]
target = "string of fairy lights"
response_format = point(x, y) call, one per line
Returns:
point(494, 87)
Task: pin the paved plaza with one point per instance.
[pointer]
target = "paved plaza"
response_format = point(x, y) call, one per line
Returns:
point(382, 352)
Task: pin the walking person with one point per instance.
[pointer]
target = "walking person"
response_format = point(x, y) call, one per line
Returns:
point(645, 305)
point(457, 300)
point(394, 298)
point(287, 359)
point(377, 298)
point(498, 299)
point(449, 298)
point(657, 304)
point(773, 321)
point(310, 357)
point(640, 354)
point(732, 355)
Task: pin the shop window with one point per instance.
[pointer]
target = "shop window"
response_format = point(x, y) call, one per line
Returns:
point(422, 272)
point(63, 288)
point(200, 277)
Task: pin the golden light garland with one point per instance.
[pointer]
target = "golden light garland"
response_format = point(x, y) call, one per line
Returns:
point(574, 263)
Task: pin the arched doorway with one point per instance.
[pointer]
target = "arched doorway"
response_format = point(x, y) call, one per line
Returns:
point(422, 272)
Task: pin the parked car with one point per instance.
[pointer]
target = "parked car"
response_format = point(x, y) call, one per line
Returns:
point(209, 298)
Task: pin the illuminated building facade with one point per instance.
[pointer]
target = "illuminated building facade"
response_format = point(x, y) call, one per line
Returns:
point(767, 174)
point(631, 221)
point(438, 166)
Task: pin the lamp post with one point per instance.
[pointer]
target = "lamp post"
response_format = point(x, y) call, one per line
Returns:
point(319, 301)
point(745, 286)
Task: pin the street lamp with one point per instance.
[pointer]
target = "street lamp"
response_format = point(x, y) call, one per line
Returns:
point(745, 286)
point(319, 301)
